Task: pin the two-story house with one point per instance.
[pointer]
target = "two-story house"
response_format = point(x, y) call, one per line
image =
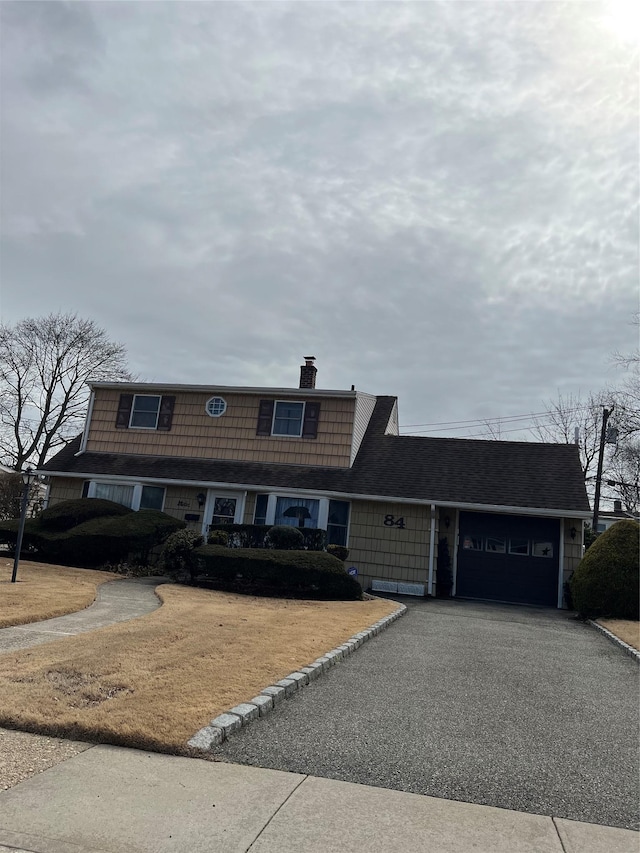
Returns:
point(512, 512)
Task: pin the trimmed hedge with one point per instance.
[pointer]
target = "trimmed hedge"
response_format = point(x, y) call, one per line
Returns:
point(287, 574)
point(108, 538)
point(284, 538)
point(253, 535)
point(606, 580)
point(68, 514)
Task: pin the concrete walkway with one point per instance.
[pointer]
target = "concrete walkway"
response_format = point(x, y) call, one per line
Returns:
point(116, 601)
point(113, 800)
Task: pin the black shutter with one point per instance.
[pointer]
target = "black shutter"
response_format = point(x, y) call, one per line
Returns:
point(165, 418)
point(265, 417)
point(311, 418)
point(124, 411)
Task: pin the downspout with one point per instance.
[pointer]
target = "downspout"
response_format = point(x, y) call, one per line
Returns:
point(85, 432)
point(432, 542)
point(561, 564)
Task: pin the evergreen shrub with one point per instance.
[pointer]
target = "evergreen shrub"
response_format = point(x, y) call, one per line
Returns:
point(287, 574)
point(606, 580)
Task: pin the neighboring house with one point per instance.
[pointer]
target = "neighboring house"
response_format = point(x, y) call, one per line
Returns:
point(608, 517)
point(512, 512)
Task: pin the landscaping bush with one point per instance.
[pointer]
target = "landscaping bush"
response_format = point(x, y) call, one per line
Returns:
point(338, 551)
point(68, 514)
point(218, 537)
point(253, 535)
point(284, 538)
point(606, 580)
point(178, 557)
point(241, 535)
point(107, 539)
point(288, 574)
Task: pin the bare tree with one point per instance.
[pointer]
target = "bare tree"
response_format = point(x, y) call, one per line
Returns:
point(623, 475)
point(565, 415)
point(45, 363)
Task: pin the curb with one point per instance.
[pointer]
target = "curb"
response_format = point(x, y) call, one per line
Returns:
point(225, 724)
point(634, 653)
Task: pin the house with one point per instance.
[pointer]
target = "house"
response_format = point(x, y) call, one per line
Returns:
point(608, 517)
point(512, 512)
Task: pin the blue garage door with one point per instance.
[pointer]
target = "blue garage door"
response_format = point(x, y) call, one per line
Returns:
point(508, 558)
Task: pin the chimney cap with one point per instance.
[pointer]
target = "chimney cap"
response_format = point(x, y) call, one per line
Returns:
point(309, 358)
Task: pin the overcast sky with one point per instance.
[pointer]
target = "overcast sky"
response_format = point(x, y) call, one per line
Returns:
point(438, 200)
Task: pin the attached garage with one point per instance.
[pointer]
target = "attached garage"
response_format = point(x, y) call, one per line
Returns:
point(508, 558)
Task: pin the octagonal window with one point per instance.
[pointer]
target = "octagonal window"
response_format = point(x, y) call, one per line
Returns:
point(216, 407)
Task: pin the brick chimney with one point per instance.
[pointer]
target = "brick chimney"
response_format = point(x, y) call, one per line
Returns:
point(308, 372)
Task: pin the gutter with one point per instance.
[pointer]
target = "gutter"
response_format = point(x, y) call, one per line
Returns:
point(554, 512)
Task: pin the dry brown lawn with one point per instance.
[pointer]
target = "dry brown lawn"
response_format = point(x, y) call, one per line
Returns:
point(155, 681)
point(625, 629)
point(42, 591)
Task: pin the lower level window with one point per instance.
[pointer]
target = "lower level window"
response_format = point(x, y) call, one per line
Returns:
point(117, 494)
point(134, 496)
point(152, 497)
point(297, 512)
point(337, 523)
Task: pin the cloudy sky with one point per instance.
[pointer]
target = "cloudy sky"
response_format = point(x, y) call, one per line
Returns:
point(438, 200)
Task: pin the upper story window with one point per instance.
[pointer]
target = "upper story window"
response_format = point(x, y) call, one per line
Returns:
point(145, 411)
point(288, 418)
point(216, 407)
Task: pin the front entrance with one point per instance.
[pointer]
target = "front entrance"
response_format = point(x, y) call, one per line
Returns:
point(223, 508)
point(508, 558)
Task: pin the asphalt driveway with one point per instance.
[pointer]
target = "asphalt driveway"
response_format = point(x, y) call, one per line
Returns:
point(513, 707)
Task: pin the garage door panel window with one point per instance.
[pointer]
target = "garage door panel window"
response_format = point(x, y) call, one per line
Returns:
point(496, 545)
point(542, 549)
point(472, 543)
point(519, 547)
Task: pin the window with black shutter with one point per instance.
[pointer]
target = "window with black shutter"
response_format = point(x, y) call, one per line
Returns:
point(165, 418)
point(311, 419)
point(124, 411)
point(265, 417)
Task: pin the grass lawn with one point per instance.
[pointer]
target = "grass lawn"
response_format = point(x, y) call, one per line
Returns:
point(153, 682)
point(624, 629)
point(42, 591)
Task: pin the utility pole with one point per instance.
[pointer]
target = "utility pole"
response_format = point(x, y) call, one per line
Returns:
point(603, 434)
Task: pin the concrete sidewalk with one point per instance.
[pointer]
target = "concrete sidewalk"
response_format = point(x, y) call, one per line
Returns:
point(116, 601)
point(113, 800)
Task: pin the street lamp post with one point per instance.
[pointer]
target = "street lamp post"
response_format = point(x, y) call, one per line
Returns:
point(27, 478)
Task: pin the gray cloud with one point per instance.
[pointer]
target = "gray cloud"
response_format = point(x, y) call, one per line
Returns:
point(439, 200)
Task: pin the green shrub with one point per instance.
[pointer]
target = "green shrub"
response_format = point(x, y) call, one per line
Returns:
point(178, 557)
point(284, 538)
point(241, 535)
point(218, 537)
point(253, 535)
point(288, 574)
point(68, 514)
point(606, 580)
point(338, 551)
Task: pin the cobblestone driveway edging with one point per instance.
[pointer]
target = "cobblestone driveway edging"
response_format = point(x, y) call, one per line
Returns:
point(611, 636)
point(241, 715)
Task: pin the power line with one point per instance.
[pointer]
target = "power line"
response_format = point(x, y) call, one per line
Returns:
point(476, 424)
point(496, 418)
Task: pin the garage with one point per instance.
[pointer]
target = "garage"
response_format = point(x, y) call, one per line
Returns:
point(508, 558)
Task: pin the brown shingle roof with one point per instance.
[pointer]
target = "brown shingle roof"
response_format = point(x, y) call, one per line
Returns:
point(448, 470)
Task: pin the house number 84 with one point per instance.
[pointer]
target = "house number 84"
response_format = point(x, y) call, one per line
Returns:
point(392, 521)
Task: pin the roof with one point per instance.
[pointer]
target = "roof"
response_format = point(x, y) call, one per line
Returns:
point(453, 471)
point(150, 387)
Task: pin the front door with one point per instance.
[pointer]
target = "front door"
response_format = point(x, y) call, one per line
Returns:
point(223, 509)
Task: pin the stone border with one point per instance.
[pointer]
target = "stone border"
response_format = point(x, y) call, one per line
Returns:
point(634, 653)
point(225, 724)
